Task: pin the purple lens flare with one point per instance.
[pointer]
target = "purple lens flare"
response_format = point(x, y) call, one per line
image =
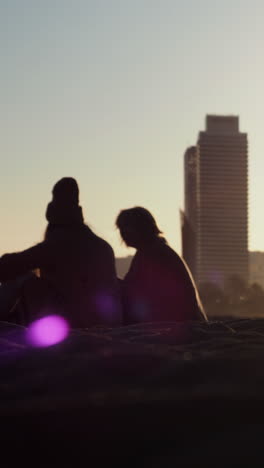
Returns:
point(47, 331)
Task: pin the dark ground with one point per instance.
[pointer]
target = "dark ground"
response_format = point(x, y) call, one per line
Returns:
point(154, 395)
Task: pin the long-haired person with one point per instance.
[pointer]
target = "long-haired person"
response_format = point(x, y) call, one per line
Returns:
point(158, 285)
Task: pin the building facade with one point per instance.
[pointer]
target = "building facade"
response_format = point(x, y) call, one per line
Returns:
point(189, 216)
point(219, 215)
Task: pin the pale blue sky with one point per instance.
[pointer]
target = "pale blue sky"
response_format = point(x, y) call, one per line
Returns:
point(112, 92)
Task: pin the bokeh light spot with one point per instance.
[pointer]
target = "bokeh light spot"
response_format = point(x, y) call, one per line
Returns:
point(48, 331)
point(106, 304)
point(141, 310)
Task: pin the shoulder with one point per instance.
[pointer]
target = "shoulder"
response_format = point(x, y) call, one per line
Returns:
point(170, 253)
point(161, 250)
point(101, 245)
point(166, 256)
point(104, 245)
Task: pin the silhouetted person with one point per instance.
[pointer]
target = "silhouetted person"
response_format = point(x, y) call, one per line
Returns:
point(158, 285)
point(76, 267)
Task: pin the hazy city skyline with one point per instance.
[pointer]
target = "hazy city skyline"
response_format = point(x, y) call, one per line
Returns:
point(112, 93)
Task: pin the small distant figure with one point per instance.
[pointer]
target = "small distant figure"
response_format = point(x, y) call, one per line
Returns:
point(77, 275)
point(158, 285)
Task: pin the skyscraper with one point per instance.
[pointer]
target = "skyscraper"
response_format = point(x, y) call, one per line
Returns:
point(189, 216)
point(218, 213)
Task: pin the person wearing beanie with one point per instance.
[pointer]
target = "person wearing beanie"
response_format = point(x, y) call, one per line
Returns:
point(64, 209)
point(77, 275)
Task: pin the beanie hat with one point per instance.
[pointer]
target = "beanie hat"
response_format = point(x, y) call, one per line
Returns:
point(64, 208)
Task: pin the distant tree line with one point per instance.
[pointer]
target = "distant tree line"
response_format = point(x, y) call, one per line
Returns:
point(237, 298)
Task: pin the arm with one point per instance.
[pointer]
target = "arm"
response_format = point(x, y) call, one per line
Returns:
point(17, 264)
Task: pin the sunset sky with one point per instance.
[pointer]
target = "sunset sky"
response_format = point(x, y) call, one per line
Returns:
point(112, 92)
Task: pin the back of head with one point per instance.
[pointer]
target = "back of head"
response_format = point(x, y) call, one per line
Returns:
point(141, 221)
point(67, 190)
point(64, 209)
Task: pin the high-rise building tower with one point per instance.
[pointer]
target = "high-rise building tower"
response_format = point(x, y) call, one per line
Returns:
point(220, 212)
point(189, 216)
